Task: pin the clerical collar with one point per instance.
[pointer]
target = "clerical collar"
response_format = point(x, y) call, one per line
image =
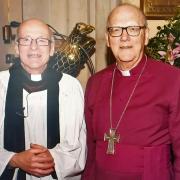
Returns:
point(134, 70)
point(125, 73)
point(36, 77)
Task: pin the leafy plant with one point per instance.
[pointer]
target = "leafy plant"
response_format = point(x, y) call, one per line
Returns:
point(165, 46)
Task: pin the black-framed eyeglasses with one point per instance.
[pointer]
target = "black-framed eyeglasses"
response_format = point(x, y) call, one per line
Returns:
point(117, 31)
point(26, 41)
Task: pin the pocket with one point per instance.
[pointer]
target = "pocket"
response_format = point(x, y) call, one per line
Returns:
point(157, 164)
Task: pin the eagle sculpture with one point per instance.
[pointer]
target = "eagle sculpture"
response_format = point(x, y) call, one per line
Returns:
point(75, 50)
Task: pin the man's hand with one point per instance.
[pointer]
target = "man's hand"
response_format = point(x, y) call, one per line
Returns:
point(36, 161)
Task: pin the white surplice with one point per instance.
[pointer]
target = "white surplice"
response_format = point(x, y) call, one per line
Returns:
point(70, 154)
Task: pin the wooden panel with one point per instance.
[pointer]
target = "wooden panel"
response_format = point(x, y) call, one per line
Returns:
point(159, 9)
point(15, 9)
point(37, 8)
point(10, 10)
point(59, 15)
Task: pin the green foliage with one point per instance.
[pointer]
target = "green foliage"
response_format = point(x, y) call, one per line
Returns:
point(162, 42)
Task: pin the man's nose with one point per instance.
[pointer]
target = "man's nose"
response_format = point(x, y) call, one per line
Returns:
point(34, 44)
point(124, 35)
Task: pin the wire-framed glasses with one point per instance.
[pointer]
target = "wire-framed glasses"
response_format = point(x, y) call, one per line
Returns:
point(117, 31)
point(26, 41)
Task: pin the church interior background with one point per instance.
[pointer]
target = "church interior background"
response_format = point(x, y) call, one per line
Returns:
point(63, 15)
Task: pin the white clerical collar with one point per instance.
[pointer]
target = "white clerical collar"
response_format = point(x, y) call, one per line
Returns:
point(125, 72)
point(36, 77)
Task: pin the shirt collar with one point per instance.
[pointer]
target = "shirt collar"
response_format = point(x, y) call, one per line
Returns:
point(134, 71)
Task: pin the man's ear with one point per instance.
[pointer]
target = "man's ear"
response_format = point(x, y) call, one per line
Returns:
point(16, 48)
point(52, 48)
point(146, 36)
point(107, 39)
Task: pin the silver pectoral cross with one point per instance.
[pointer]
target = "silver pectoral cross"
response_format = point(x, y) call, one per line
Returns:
point(112, 138)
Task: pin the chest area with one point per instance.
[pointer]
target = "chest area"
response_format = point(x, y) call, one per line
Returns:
point(130, 107)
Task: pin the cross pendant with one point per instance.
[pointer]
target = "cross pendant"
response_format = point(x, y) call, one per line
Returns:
point(112, 138)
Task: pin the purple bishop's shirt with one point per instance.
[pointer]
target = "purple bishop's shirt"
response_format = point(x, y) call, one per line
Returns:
point(149, 147)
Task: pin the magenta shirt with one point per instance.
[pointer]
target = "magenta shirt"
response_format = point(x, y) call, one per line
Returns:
point(149, 127)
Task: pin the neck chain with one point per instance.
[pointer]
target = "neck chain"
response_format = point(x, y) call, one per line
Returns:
point(111, 136)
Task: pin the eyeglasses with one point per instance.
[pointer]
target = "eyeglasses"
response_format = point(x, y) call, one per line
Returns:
point(117, 31)
point(27, 41)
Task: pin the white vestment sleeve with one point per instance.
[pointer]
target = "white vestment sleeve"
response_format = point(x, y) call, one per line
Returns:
point(70, 154)
point(5, 155)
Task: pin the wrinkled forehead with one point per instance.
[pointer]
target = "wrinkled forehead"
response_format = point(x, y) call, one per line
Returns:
point(126, 15)
point(34, 29)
